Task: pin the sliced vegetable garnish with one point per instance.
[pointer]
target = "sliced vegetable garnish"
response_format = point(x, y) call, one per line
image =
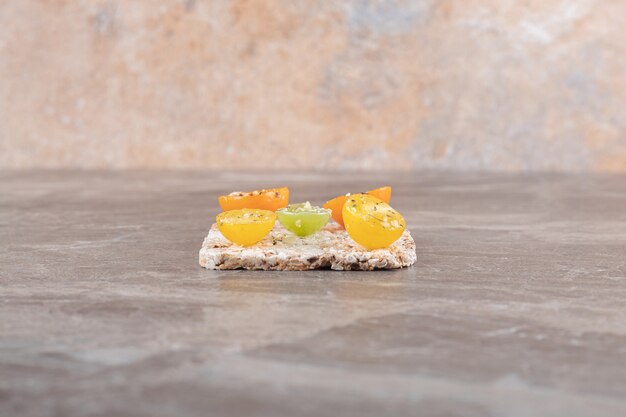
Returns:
point(271, 199)
point(336, 204)
point(371, 222)
point(303, 219)
point(245, 227)
point(384, 193)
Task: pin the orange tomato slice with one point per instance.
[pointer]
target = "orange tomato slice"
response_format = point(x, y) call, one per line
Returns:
point(271, 199)
point(336, 204)
point(384, 193)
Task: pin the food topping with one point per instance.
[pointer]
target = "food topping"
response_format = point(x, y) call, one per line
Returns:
point(336, 204)
point(245, 227)
point(372, 222)
point(303, 219)
point(271, 199)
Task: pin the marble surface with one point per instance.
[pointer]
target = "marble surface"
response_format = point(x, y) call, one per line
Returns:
point(506, 85)
point(516, 306)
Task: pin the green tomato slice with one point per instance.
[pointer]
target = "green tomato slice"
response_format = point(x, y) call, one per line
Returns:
point(303, 219)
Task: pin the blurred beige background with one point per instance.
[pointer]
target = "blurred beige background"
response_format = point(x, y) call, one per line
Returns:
point(245, 84)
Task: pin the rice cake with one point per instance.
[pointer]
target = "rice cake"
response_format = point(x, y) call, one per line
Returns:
point(331, 248)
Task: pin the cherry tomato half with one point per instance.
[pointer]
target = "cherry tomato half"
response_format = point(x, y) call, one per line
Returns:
point(303, 219)
point(371, 222)
point(245, 227)
point(336, 204)
point(271, 199)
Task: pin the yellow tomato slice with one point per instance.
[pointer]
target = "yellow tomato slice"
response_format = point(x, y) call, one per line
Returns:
point(271, 199)
point(371, 222)
point(336, 204)
point(245, 227)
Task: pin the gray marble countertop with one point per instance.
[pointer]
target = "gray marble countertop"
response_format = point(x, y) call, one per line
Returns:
point(516, 306)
